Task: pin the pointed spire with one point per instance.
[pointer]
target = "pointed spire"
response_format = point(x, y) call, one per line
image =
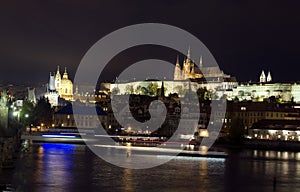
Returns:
point(65, 76)
point(177, 61)
point(189, 53)
point(57, 75)
point(269, 77)
point(177, 71)
point(193, 69)
point(201, 62)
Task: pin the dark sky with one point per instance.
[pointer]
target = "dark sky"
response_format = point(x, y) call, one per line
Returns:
point(245, 36)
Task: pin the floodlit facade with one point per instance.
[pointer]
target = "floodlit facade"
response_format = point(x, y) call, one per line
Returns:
point(283, 92)
point(211, 78)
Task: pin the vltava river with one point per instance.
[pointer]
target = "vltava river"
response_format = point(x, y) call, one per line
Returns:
point(68, 167)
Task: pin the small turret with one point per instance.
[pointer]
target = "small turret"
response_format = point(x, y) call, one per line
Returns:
point(177, 71)
point(65, 76)
point(262, 78)
point(189, 53)
point(269, 77)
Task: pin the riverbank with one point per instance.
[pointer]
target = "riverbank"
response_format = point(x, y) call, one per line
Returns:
point(258, 144)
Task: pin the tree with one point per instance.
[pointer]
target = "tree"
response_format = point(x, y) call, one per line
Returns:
point(129, 89)
point(144, 91)
point(179, 90)
point(42, 112)
point(203, 94)
point(27, 113)
point(115, 91)
point(152, 89)
point(138, 90)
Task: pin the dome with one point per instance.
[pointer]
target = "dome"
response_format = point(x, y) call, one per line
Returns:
point(66, 82)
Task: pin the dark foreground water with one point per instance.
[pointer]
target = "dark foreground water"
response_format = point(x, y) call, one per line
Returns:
point(67, 167)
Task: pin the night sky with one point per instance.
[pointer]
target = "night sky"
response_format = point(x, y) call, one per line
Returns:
point(245, 36)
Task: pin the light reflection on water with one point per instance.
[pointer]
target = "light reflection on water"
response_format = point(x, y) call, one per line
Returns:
point(67, 167)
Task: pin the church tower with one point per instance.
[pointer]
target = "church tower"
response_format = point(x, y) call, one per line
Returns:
point(51, 83)
point(177, 71)
point(262, 78)
point(58, 81)
point(269, 77)
point(66, 87)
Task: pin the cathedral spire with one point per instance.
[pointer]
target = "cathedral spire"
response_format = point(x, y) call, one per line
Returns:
point(189, 53)
point(177, 71)
point(201, 63)
point(193, 69)
point(177, 61)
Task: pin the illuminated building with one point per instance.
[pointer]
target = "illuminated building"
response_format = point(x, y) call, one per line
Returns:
point(64, 85)
point(51, 94)
point(286, 130)
point(266, 89)
point(59, 87)
point(211, 78)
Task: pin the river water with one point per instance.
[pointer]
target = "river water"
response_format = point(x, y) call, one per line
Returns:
point(50, 167)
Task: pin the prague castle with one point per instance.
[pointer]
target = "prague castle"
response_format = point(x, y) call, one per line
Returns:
point(192, 71)
point(188, 71)
point(211, 78)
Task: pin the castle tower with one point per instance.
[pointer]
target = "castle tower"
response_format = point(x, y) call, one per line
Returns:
point(51, 83)
point(31, 95)
point(269, 77)
point(58, 81)
point(262, 78)
point(177, 71)
point(189, 53)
